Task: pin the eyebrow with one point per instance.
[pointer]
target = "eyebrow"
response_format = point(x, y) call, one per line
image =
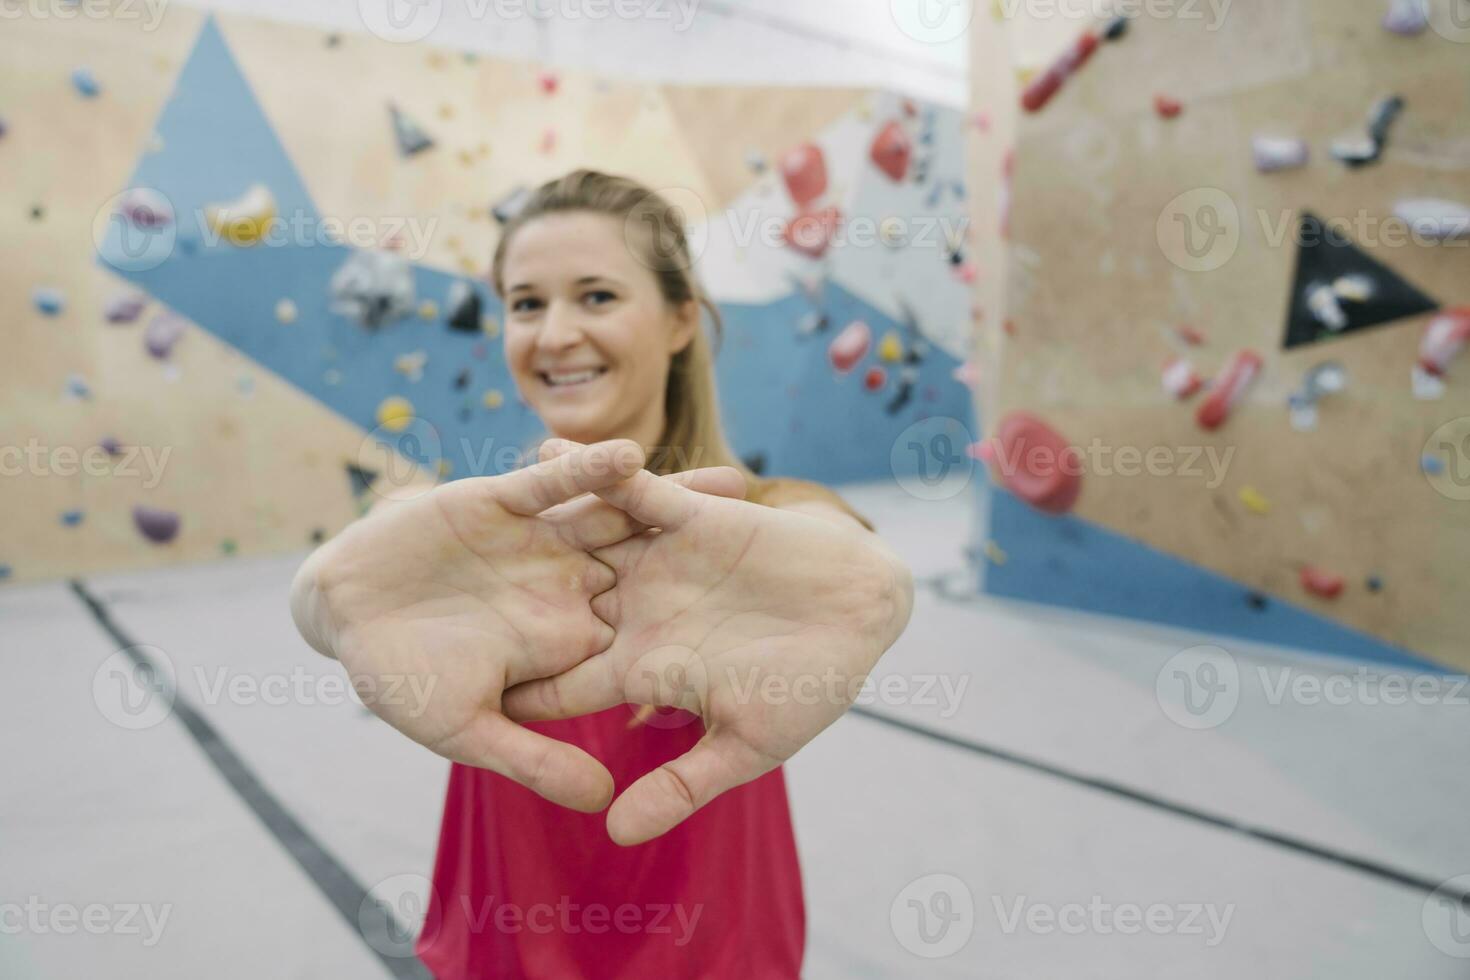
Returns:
point(584, 281)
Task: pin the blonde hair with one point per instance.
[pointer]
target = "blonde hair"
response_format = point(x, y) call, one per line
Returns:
point(692, 435)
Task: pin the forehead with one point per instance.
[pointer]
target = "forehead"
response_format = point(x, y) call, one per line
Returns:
point(565, 247)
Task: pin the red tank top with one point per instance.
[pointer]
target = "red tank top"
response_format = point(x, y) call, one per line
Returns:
point(524, 888)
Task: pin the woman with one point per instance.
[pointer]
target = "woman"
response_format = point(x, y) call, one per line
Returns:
point(624, 569)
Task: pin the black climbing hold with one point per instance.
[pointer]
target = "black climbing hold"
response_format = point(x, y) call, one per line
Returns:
point(318, 535)
point(360, 479)
point(464, 307)
point(410, 135)
point(1325, 256)
point(37, 212)
point(755, 462)
point(1374, 583)
point(462, 379)
point(1117, 27)
point(510, 205)
point(1257, 601)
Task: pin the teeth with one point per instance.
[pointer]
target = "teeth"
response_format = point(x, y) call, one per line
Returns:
point(572, 378)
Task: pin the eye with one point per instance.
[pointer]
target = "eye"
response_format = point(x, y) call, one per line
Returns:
point(598, 296)
point(525, 304)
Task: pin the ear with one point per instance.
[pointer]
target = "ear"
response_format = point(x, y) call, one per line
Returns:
point(686, 321)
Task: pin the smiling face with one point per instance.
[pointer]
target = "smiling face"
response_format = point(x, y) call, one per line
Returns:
point(588, 333)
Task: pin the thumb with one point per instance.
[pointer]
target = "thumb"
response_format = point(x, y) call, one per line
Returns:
point(666, 797)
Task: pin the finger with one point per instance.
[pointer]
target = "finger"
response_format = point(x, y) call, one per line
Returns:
point(666, 797)
point(533, 489)
point(559, 772)
point(590, 686)
point(593, 523)
point(651, 501)
point(554, 447)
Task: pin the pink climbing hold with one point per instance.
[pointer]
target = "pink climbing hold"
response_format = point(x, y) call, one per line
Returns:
point(1321, 583)
point(1180, 378)
point(892, 150)
point(811, 231)
point(549, 82)
point(850, 346)
point(1036, 463)
point(1444, 337)
point(158, 526)
point(1167, 107)
point(805, 171)
point(1228, 389)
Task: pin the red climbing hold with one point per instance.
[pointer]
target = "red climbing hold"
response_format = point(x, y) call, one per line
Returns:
point(1166, 107)
point(811, 231)
point(1036, 464)
point(875, 379)
point(1041, 90)
point(1324, 584)
point(1444, 337)
point(805, 171)
point(1228, 388)
point(850, 346)
point(892, 151)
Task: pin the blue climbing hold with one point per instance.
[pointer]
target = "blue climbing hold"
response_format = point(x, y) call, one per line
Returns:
point(72, 518)
point(48, 300)
point(1432, 465)
point(85, 83)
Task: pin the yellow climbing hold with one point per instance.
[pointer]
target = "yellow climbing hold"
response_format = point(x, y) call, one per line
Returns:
point(891, 348)
point(429, 310)
point(1253, 500)
point(490, 326)
point(494, 399)
point(445, 467)
point(395, 413)
point(244, 220)
point(286, 311)
point(995, 553)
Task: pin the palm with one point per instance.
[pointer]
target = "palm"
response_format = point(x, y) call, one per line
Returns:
point(762, 621)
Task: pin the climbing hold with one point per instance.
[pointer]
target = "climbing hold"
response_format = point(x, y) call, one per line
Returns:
point(1406, 18)
point(1227, 390)
point(1254, 501)
point(1323, 584)
point(1274, 153)
point(428, 310)
point(891, 151)
point(76, 387)
point(1116, 29)
point(966, 272)
point(158, 526)
point(1036, 464)
point(37, 212)
point(463, 304)
point(850, 346)
point(5, 572)
point(755, 161)
point(228, 546)
point(893, 232)
point(875, 378)
point(286, 311)
point(462, 379)
point(804, 170)
point(1180, 379)
point(1168, 107)
point(1358, 151)
point(480, 351)
point(995, 554)
point(1321, 380)
point(549, 82)
point(85, 82)
point(48, 300)
point(1373, 583)
point(1444, 337)
point(548, 140)
point(373, 287)
point(145, 208)
point(71, 518)
point(411, 365)
point(1191, 335)
point(1256, 601)
point(1431, 465)
point(1355, 288)
point(1040, 91)
point(890, 348)
point(967, 374)
point(493, 399)
point(510, 205)
point(163, 332)
point(245, 220)
point(811, 232)
point(410, 135)
point(1436, 220)
point(394, 413)
point(812, 322)
point(318, 535)
point(110, 445)
point(1322, 301)
point(490, 327)
point(124, 307)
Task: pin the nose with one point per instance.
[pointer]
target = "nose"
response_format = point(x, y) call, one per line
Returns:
point(560, 328)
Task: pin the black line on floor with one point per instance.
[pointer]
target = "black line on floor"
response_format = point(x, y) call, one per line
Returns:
point(1343, 859)
point(331, 878)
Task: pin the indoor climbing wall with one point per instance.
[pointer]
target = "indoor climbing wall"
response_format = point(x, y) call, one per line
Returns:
point(246, 281)
point(1239, 276)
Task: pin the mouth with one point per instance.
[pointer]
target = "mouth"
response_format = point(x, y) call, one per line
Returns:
point(570, 379)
